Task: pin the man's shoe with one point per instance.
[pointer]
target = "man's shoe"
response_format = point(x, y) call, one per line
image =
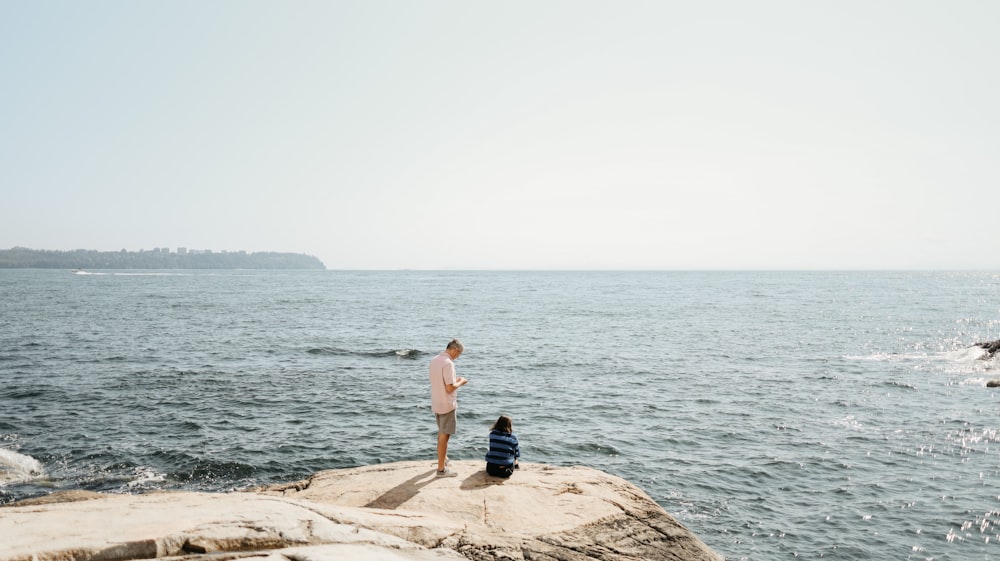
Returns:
point(447, 473)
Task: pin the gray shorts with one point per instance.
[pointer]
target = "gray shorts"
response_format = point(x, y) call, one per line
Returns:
point(447, 422)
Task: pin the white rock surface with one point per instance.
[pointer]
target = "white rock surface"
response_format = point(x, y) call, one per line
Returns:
point(398, 511)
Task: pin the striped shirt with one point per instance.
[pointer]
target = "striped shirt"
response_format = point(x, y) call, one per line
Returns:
point(504, 448)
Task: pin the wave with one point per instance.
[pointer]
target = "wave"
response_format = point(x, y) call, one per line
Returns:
point(90, 274)
point(398, 353)
point(887, 357)
point(16, 468)
point(897, 384)
point(25, 393)
point(144, 476)
point(149, 274)
point(964, 360)
point(849, 422)
point(204, 472)
point(967, 355)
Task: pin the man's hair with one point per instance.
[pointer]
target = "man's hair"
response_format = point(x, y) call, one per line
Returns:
point(455, 344)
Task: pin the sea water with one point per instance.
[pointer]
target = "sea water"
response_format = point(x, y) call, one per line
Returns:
point(833, 415)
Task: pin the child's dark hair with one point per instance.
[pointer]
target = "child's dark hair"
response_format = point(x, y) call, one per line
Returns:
point(503, 424)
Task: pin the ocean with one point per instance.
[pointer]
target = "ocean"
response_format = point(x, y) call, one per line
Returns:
point(810, 415)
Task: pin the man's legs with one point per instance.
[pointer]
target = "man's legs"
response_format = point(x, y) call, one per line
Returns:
point(442, 449)
point(446, 427)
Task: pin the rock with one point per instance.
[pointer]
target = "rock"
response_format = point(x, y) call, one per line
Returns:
point(991, 348)
point(61, 497)
point(993, 383)
point(398, 511)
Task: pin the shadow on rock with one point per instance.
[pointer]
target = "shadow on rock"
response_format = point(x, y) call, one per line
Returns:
point(403, 492)
point(480, 479)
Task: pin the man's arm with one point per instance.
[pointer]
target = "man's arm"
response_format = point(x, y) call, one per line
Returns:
point(450, 388)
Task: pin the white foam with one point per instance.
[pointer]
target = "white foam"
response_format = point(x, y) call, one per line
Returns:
point(967, 355)
point(888, 357)
point(144, 476)
point(966, 360)
point(849, 422)
point(88, 273)
point(16, 467)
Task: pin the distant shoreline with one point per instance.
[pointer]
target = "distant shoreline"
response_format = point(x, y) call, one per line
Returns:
point(24, 258)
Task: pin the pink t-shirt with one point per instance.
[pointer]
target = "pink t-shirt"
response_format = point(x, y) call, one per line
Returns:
point(442, 372)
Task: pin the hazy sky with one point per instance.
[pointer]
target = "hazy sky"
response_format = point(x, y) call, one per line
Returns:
point(543, 134)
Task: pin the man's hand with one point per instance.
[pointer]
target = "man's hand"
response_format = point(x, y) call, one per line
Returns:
point(459, 382)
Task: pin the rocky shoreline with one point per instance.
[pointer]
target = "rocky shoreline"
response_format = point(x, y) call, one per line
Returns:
point(396, 512)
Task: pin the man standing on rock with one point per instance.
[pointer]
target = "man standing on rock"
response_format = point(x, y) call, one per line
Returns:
point(444, 400)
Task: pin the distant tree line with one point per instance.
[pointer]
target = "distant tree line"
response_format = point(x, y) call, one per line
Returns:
point(24, 258)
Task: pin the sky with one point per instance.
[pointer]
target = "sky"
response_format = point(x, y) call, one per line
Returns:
point(575, 134)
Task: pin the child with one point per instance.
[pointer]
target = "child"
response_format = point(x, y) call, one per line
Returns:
point(501, 460)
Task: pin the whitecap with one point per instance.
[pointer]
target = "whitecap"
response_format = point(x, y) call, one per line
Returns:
point(849, 422)
point(144, 476)
point(967, 355)
point(15, 468)
point(887, 357)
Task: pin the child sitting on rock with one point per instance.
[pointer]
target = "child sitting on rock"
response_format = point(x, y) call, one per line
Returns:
point(501, 460)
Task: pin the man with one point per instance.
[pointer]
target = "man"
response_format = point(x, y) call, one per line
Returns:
point(444, 400)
